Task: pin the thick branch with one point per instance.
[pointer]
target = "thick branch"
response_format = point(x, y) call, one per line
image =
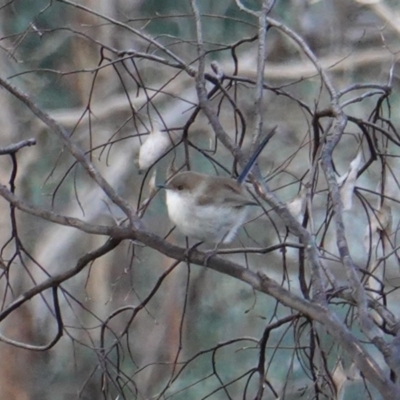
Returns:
point(54, 217)
point(350, 269)
point(261, 283)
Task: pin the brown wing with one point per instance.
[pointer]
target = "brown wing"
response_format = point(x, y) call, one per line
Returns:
point(226, 191)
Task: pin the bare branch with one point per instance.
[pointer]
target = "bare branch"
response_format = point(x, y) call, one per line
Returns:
point(76, 151)
point(13, 148)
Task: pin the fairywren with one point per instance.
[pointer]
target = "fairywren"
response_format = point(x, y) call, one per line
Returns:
point(210, 208)
point(205, 207)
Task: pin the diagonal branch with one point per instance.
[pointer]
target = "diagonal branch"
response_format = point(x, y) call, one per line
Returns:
point(56, 280)
point(76, 151)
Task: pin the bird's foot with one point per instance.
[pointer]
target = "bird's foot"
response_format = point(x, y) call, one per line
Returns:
point(190, 249)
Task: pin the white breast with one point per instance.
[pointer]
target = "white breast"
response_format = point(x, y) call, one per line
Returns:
point(207, 223)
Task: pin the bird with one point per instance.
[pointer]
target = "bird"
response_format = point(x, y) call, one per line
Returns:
point(207, 208)
point(210, 208)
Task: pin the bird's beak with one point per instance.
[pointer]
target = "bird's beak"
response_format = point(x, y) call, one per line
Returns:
point(162, 186)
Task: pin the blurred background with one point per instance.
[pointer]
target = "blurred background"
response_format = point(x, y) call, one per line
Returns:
point(67, 57)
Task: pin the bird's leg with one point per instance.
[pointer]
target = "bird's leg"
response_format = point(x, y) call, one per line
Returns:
point(208, 253)
point(214, 251)
point(190, 249)
point(211, 253)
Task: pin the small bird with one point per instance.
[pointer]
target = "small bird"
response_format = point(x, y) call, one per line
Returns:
point(210, 208)
point(207, 208)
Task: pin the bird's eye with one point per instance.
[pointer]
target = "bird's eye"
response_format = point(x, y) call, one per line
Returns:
point(180, 187)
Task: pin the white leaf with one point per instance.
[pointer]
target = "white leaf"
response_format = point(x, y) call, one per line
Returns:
point(348, 182)
point(156, 145)
point(152, 184)
point(339, 378)
point(297, 206)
